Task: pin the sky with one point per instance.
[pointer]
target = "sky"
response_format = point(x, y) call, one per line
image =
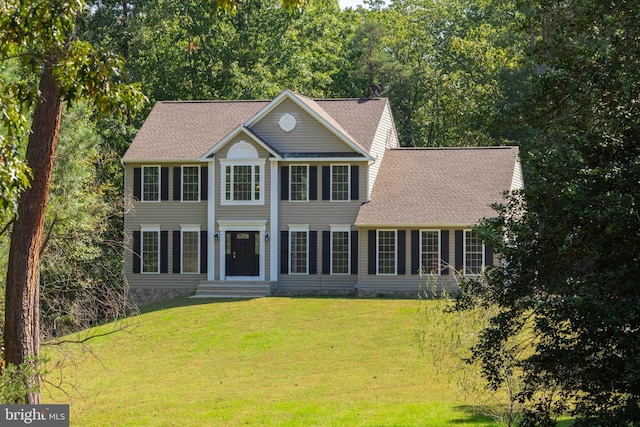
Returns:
point(349, 3)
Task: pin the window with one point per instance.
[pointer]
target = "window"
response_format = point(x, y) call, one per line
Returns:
point(190, 250)
point(340, 255)
point(340, 182)
point(299, 182)
point(473, 253)
point(150, 250)
point(151, 183)
point(386, 251)
point(299, 250)
point(242, 183)
point(430, 251)
point(190, 183)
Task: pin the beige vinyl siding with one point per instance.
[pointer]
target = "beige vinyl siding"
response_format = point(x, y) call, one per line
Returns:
point(308, 136)
point(170, 215)
point(403, 282)
point(517, 182)
point(385, 138)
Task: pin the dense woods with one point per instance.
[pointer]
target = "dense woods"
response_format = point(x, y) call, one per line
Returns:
point(559, 79)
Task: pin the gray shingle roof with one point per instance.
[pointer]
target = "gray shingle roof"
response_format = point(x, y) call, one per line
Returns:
point(438, 187)
point(185, 130)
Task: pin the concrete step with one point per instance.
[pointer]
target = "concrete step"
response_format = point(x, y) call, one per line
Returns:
point(230, 289)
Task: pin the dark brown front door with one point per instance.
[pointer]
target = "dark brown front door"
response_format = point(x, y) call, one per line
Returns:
point(242, 253)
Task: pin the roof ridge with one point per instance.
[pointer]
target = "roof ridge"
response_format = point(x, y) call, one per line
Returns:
point(491, 147)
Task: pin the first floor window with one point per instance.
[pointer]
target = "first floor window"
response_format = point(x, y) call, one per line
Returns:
point(151, 183)
point(190, 183)
point(299, 250)
point(340, 182)
point(430, 251)
point(386, 251)
point(340, 252)
point(190, 251)
point(150, 251)
point(473, 253)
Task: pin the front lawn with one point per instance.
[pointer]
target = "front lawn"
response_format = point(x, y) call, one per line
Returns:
point(270, 361)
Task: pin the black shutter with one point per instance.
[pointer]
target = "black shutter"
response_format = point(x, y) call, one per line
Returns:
point(313, 183)
point(326, 252)
point(284, 183)
point(355, 182)
point(164, 183)
point(176, 252)
point(204, 253)
point(164, 252)
point(354, 252)
point(402, 252)
point(326, 183)
point(444, 252)
point(204, 182)
point(177, 183)
point(284, 252)
point(415, 251)
point(372, 252)
point(137, 183)
point(488, 256)
point(137, 246)
point(313, 252)
point(459, 257)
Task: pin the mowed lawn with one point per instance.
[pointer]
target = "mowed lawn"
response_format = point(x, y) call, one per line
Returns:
point(269, 361)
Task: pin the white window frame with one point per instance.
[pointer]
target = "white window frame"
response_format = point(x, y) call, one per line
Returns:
point(298, 229)
point(144, 230)
point(469, 232)
point(223, 181)
point(291, 199)
point(437, 272)
point(341, 229)
point(189, 229)
point(182, 183)
point(395, 250)
point(348, 182)
point(158, 195)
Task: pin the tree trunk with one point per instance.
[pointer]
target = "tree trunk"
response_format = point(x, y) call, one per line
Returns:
point(22, 314)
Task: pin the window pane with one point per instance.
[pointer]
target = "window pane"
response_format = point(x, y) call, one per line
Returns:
point(242, 183)
point(190, 183)
point(190, 254)
point(340, 182)
point(299, 252)
point(256, 182)
point(151, 183)
point(430, 246)
point(298, 182)
point(340, 252)
point(387, 252)
point(150, 249)
point(473, 253)
point(228, 183)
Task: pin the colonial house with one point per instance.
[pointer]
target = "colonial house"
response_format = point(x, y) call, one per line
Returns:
point(295, 195)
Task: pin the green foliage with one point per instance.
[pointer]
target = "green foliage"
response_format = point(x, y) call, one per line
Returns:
point(17, 381)
point(572, 248)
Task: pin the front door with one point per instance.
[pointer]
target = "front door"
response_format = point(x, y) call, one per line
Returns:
point(243, 253)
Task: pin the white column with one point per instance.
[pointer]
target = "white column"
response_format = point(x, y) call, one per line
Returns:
point(274, 236)
point(211, 221)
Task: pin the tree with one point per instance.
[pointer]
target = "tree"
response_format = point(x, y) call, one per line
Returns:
point(570, 240)
point(41, 36)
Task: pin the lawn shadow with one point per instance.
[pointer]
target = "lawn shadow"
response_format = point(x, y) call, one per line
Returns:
point(185, 301)
point(474, 416)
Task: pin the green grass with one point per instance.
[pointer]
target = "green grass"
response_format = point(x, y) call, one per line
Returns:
point(270, 361)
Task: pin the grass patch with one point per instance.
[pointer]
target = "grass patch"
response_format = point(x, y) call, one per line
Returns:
point(270, 361)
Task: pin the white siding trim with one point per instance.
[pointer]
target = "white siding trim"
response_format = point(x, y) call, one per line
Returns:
point(211, 221)
point(274, 236)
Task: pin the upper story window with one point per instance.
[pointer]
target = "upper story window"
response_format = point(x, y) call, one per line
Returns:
point(150, 183)
point(190, 183)
point(242, 180)
point(430, 251)
point(299, 183)
point(473, 253)
point(340, 182)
